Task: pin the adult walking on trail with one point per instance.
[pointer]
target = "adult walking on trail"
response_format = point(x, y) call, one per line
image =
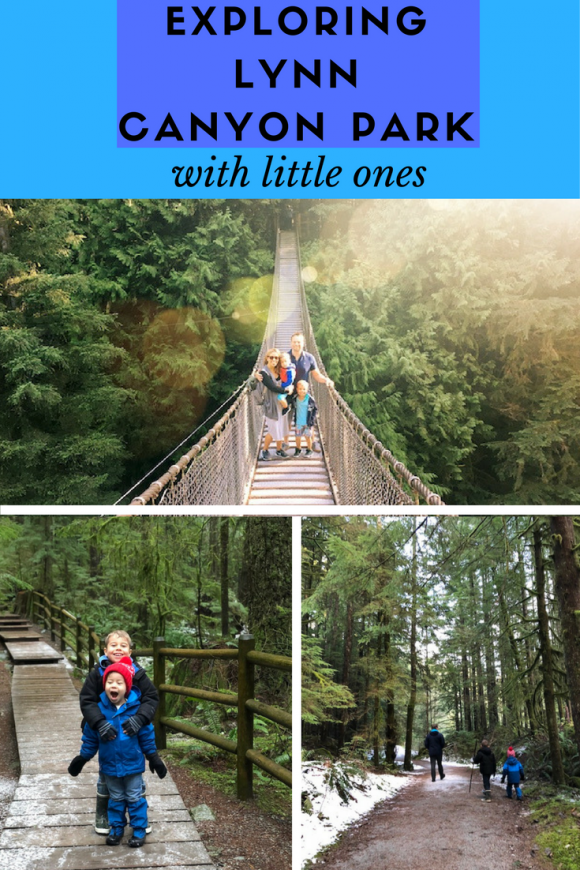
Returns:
point(434, 744)
point(269, 377)
point(487, 766)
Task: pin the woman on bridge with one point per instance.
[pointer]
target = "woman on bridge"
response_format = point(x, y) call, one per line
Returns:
point(271, 389)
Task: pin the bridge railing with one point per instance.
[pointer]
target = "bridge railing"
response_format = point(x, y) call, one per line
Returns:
point(362, 469)
point(74, 635)
point(222, 474)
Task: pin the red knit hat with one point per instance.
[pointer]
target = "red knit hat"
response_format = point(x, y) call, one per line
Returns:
point(511, 752)
point(124, 667)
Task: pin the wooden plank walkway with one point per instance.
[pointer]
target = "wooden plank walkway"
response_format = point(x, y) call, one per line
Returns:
point(299, 481)
point(31, 652)
point(7, 634)
point(51, 818)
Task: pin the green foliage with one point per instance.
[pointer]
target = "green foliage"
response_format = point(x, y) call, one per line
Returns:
point(320, 694)
point(452, 330)
point(559, 821)
point(123, 324)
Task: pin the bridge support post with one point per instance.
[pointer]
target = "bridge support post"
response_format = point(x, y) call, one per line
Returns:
point(159, 679)
point(62, 635)
point(52, 634)
point(91, 647)
point(245, 773)
point(79, 643)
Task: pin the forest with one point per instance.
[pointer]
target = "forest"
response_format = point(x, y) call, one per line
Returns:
point(196, 581)
point(450, 327)
point(467, 622)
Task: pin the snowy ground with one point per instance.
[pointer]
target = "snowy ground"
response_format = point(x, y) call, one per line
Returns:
point(330, 816)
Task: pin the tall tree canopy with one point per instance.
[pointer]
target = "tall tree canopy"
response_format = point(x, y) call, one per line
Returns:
point(468, 622)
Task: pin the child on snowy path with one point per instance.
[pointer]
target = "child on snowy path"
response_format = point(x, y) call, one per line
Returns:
point(514, 772)
point(121, 760)
point(487, 766)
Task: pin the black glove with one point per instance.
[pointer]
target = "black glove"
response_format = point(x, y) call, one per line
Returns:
point(503, 778)
point(77, 765)
point(133, 725)
point(107, 731)
point(156, 765)
point(522, 776)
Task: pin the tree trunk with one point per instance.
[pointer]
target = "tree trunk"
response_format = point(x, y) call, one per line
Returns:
point(346, 669)
point(568, 594)
point(408, 762)
point(224, 564)
point(547, 665)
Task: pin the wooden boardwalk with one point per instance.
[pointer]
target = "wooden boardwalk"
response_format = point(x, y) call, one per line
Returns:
point(299, 481)
point(51, 818)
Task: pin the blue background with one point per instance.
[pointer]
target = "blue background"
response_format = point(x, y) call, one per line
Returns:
point(436, 70)
point(58, 115)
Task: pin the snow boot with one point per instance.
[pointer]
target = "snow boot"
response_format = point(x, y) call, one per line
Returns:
point(101, 815)
point(487, 795)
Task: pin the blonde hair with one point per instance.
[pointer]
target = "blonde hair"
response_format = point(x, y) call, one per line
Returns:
point(120, 633)
point(306, 384)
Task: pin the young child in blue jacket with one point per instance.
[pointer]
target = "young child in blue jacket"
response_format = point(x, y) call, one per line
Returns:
point(514, 772)
point(122, 760)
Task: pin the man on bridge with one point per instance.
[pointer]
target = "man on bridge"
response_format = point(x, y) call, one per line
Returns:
point(305, 362)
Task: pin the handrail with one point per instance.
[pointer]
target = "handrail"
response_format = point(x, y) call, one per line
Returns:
point(83, 637)
point(248, 658)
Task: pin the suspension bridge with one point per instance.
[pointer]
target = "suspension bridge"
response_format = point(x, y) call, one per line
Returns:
point(349, 466)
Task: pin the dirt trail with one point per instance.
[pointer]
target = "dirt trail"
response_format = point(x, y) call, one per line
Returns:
point(441, 826)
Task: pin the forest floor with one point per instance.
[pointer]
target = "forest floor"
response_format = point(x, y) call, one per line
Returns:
point(441, 825)
point(244, 836)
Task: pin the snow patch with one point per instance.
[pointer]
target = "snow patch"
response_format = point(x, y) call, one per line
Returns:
point(7, 788)
point(330, 816)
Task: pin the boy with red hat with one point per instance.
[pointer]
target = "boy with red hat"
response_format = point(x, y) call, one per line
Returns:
point(117, 644)
point(122, 759)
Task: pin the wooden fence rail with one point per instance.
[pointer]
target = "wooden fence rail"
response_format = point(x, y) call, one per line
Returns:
point(82, 638)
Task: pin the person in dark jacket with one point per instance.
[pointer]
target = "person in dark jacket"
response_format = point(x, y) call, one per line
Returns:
point(122, 759)
point(514, 772)
point(117, 645)
point(434, 744)
point(487, 766)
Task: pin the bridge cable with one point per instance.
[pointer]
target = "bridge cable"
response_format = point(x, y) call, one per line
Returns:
point(187, 437)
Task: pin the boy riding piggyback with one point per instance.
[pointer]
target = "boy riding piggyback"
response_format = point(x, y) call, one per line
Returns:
point(117, 645)
point(122, 758)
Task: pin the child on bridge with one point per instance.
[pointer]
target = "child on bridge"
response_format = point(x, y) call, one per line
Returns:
point(121, 760)
point(305, 411)
point(287, 377)
point(117, 645)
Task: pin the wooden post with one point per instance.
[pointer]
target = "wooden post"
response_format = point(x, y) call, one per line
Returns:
point(52, 634)
point(62, 640)
point(245, 775)
point(159, 679)
point(79, 643)
point(91, 648)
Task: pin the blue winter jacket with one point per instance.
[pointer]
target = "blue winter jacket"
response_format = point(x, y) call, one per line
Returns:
point(514, 770)
point(124, 755)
